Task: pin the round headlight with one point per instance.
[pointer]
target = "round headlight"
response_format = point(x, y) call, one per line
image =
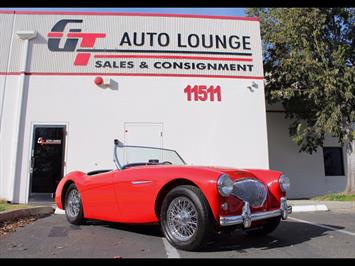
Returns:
point(225, 185)
point(284, 183)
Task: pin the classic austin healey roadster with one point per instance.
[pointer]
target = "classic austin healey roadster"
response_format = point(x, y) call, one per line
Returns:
point(191, 203)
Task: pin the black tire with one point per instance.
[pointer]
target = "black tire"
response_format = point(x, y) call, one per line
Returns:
point(269, 226)
point(203, 218)
point(79, 217)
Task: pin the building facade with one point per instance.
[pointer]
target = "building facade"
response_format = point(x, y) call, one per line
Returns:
point(70, 83)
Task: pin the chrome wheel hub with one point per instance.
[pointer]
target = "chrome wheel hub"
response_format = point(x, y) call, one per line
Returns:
point(182, 218)
point(73, 204)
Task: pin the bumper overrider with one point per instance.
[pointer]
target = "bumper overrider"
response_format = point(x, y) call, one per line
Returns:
point(247, 217)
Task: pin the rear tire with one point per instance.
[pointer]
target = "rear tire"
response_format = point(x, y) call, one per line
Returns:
point(73, 206)
point(186, 219)
point(269, 226)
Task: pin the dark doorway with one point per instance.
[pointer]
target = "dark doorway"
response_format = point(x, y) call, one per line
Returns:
point(47, 161)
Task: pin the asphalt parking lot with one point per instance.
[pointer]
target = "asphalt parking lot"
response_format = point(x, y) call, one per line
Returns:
point(328, 234)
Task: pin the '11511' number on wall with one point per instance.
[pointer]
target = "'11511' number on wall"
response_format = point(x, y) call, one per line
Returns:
point(202, 93)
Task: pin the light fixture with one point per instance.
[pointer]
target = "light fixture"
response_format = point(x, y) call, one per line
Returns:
point(103, 81)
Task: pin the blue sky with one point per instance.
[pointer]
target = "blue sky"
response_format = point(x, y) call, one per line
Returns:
point(199, 11)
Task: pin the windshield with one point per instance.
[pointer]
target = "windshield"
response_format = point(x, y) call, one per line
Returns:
point(139, 155)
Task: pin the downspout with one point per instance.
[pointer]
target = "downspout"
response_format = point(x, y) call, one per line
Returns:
point(26, 36)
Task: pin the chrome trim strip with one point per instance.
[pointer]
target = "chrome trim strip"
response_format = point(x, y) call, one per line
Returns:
point(141, 182)
point(246, 218)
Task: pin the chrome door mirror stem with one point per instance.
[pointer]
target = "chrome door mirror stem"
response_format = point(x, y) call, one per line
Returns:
point(117, 143)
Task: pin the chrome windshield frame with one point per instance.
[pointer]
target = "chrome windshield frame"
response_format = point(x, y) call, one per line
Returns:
point(119, 144)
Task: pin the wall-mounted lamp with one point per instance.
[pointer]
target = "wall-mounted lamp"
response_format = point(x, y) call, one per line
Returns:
point(102, 81)
point(253, 86)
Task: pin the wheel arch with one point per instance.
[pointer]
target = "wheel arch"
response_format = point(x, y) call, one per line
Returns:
point(165, 190)
point(64, 191)
point(173, 184)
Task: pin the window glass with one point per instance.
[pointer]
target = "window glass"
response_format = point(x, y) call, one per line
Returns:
point(145, 155)
point(333, 161)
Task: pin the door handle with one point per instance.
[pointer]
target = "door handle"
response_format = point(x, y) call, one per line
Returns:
point(32, 164)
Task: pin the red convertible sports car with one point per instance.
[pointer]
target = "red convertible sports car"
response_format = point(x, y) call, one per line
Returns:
point(191, 203)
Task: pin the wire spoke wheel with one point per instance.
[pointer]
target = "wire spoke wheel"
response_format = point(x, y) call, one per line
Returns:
point(182, 218)
point(73, 203)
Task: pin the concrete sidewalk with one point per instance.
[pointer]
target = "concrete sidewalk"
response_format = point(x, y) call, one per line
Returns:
point(319, 205)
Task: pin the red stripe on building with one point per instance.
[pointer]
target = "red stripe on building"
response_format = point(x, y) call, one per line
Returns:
point(128, 75)
point(175, 57)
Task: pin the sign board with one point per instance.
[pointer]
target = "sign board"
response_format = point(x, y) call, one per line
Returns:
point(145, 45)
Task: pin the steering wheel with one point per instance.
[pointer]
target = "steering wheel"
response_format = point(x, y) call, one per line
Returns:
point(166, 162)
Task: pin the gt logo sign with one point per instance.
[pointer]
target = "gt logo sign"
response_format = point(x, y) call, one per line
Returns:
point(72, 39)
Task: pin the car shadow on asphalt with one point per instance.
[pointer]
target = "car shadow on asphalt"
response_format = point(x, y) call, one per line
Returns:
point(146, 229)
point(288, 234)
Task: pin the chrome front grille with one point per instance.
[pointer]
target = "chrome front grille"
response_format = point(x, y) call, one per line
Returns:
point(250, 190)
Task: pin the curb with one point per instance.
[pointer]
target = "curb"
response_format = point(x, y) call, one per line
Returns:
point(309, 208)
point(335, 205)
point(311, 205)
point(21, 213)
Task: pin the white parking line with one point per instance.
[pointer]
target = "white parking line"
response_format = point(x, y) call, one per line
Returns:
point(170, 250)
point(324, 226)
point(59, 211)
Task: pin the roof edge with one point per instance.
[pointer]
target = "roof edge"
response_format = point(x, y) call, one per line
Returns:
point(88, 13)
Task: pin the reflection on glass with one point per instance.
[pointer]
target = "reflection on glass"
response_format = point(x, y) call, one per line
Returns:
point(128, 155)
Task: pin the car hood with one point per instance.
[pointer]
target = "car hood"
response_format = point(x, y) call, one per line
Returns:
point(235, 173)
point(265, 175)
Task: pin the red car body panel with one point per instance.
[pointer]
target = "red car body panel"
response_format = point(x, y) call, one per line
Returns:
point(130, 195)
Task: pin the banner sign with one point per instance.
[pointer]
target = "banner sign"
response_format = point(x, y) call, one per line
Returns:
point(146, 45)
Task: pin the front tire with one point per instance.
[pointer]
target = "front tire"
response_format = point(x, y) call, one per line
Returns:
point(73, 206)
point(269, 226)
point(185, 218)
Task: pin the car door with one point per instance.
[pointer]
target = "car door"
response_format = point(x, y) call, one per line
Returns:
point(99, 198)
point(136, 191)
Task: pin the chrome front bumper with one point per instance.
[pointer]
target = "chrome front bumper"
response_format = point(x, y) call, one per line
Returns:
point(247, 217)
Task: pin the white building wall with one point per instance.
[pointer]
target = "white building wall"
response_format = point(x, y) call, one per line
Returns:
point(204, 134)
point(232, 132)
point(6, 135)
point(225, 133)
point(6, 24)
point(305, 171)
point(6, 31)
point(3, 181)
